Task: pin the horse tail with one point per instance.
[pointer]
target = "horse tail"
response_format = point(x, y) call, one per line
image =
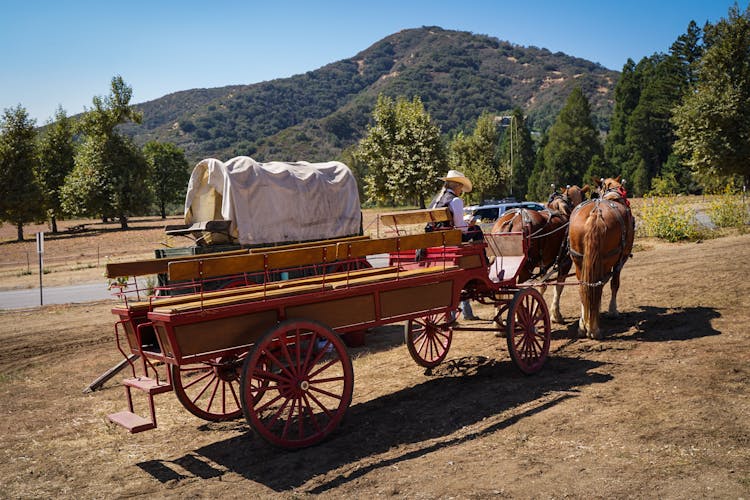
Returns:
point(592, 271)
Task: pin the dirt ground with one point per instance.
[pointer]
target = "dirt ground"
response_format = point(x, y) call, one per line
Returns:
point(658, 409)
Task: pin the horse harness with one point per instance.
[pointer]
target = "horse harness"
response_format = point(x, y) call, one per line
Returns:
point(611, 197)
point(526, 221)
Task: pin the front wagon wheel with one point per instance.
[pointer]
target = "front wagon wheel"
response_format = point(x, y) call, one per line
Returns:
point(528, 331)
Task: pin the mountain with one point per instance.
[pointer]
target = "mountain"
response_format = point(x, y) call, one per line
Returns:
point(314, 116)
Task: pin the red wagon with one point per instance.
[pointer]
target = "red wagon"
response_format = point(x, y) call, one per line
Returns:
point(274, 351)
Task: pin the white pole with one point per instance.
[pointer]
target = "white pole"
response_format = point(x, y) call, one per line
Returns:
point(40, 251)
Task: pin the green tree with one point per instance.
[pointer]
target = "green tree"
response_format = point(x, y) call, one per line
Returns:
point(573, 142)
point(627, 94)
point(403, 151)
point(56, 161)
point(649, 134)
point(713, 122)
point(476, 157)
point(537, 189)
point(20, 197)
point(517, 147)
point(110, 175)
point(169, 171)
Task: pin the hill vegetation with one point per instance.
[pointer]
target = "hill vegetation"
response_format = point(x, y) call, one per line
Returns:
point(316, 115)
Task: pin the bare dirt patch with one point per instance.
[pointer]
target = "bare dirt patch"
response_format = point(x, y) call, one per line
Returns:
point(658, 409)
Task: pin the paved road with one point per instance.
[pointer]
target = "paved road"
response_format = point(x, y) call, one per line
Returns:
point(16, 299)
point(89, 292)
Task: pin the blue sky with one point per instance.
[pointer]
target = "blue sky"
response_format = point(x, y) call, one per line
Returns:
point(55, 52)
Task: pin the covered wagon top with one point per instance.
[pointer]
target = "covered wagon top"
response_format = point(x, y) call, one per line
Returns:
point(275, 202)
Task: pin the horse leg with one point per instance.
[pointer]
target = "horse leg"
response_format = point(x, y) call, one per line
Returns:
point(562, 274)
point(614, 286)
point(582, 322)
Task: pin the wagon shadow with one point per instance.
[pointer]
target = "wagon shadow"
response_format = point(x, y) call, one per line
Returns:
point(464, 399)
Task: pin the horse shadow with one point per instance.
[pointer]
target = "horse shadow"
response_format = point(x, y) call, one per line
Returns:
point(464, 399)
point(655, 324)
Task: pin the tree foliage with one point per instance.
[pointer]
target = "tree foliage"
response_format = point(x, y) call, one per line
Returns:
point(20, 196)
point(713, 122)
point(476, 156)
point(110, 175)
point(169, 173)
point(573, 143)
point(56, 161)
point(403, 151)
point(517, 147)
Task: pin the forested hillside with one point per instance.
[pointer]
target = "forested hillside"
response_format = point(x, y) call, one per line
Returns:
point(314, 116)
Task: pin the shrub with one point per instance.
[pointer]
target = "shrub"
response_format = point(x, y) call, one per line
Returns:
point(665, 219)
point(728, 210)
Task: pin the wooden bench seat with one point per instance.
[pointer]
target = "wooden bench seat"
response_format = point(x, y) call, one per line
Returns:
point(364, 280)
point(395, 244)
point(155, 266)
point(332, 282)
point(197, 269)
point(240, 299)
point(423, 216)
point(144, 306)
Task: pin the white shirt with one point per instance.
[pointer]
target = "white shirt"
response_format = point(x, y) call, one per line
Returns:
point(456, 206)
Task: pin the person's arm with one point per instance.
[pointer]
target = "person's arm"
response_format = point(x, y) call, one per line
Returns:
point(457, 209)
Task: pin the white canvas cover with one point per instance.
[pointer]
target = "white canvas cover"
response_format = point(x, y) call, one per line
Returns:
point(275, 202)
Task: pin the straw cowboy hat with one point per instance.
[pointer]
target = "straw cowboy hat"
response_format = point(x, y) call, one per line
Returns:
point(456, 176)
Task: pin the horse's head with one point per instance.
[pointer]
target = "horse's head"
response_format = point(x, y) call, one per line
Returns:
point(611, 188)
point(567, 199)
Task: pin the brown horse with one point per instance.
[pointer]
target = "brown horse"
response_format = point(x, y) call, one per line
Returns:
point(601, 240)
point(546, 232)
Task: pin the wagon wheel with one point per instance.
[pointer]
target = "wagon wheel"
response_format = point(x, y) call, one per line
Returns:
point(210, 390)
point(428, 338)
point(297, 384)
point(528, 331)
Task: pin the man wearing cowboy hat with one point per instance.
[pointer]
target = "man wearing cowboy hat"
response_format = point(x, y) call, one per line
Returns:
point(456, 183)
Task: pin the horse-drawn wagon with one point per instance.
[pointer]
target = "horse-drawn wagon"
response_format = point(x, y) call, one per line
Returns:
point(272, 350)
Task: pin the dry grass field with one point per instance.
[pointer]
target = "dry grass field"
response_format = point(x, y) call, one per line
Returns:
point(660, 408)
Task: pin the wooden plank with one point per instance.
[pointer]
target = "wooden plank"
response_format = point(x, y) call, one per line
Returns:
point(240, 299)
point(308, 244)
point(154, 266)
point(391, 245)
point(216, 266)
point(415, 216)
point(301, 256)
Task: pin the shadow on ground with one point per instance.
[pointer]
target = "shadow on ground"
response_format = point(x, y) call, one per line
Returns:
point(471, 391)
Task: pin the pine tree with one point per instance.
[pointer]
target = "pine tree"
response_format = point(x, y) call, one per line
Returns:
point(573, 142)
point(20, 197)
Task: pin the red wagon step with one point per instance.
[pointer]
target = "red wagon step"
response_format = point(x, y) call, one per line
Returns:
point(129, 419)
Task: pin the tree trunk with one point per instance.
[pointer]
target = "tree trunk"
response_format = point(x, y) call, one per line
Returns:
point(163, 210)
point(19, 226)
point(123, 222)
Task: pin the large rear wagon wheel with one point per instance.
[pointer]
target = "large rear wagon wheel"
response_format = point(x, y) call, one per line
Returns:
point(297, 384)
point(428, 338)
point(528, 331)
point(210, 390)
